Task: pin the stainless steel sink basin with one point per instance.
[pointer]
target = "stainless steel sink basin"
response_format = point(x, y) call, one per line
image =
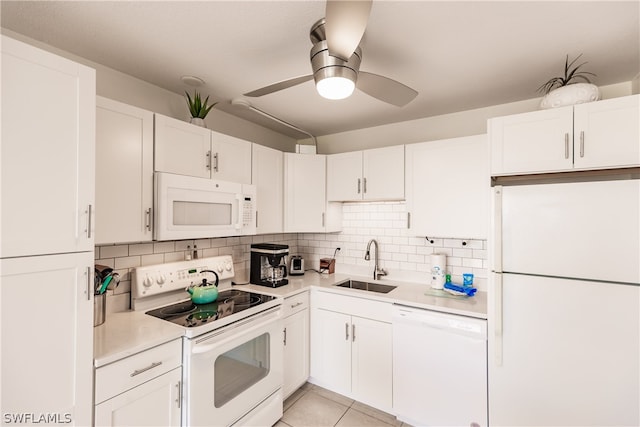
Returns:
point(366, 286)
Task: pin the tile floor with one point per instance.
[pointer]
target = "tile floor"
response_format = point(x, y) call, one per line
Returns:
point(314, 406)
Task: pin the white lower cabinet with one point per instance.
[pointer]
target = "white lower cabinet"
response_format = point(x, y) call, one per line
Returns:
point(351, 347)
point(141, 390)
point(154, 403)
point(296, 342)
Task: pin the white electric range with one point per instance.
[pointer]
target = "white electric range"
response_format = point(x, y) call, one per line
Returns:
point(232, 347)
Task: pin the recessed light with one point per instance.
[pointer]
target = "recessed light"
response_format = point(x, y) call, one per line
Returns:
point(192, 80)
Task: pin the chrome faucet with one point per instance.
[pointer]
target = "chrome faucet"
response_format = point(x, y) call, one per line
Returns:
point(377, 272)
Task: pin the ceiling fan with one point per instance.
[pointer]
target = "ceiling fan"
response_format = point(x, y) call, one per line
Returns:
point(336, 56)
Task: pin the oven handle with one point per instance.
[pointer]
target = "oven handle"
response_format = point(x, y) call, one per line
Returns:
point(230, 332)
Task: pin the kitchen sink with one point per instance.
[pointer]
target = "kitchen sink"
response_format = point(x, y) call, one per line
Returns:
point(366, 286)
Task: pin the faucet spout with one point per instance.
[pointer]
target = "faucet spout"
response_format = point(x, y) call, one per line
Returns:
point(377, 272)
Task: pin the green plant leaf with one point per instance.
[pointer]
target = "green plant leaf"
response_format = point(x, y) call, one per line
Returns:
point(197, 107)
point(571, 73)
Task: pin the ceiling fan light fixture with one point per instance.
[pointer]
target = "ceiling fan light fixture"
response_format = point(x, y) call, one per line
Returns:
point(335, 87)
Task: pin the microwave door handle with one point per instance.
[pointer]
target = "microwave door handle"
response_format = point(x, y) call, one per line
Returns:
point(239, 198)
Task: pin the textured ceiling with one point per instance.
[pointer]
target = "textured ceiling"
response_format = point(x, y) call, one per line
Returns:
point(457, 55)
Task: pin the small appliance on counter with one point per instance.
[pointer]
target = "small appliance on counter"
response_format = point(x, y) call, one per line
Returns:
point(297, 265)
point(269, 264)
point(438, 270)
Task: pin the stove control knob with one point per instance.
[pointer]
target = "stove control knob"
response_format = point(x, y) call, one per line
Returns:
point(147, 282)
point(220, 268)
point(161, 279)
point(228, 266)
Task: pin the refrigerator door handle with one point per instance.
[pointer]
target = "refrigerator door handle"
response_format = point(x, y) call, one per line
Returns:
point(497, 228)
point(497, 318)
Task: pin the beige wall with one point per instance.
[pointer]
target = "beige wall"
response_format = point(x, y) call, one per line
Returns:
point(463, 123)
point(124, 88)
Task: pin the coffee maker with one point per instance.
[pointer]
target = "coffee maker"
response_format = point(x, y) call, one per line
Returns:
point(269, 264)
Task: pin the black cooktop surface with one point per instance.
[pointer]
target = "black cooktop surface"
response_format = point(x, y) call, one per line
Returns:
point(229, 302)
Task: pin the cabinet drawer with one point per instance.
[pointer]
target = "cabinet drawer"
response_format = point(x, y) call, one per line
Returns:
point(132, 371)
point(295, 304)
point(362, 307)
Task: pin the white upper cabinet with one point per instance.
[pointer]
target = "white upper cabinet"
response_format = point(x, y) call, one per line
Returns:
point(231, 158)
point(268, 177)
point(186, 149)
point(306, 209)
point(376, 174)
point(595, 135)
point(448, 188)
point(182, 148)
point(124, 172)
point(47, 154)
point(607, 133)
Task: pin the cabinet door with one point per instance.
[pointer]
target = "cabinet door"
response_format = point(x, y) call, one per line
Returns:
point(296, 351)
point(46, 311)
point(331, 350)
point(124, 172)
point(344, 176)
point(47, 155)
point(154, 403)
point(383, 173)
point(268, 176)
point(231, 158)
point(371, 362)
point(304, 176)
point(540, 141)
point(182, 148)
point(448, 188)
point(607, 133)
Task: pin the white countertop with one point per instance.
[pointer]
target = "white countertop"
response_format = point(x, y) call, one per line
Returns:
point(127, 333)
point(406, 293)
point(130, 332)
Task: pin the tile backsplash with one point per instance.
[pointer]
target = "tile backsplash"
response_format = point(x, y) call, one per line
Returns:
point(403, 256)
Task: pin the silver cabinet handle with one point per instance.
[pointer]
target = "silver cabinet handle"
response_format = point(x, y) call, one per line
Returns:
point(323, 219)
point(179, 399)
point(358, 185)
point(139, 371)
point(409, 220)
point(346, 331)
point(566, 145)
point(353, 333)
point(581, 143)
point(88, 283)
point(285, 337)
point(89, 212)
point(364, 185)
point(216, 158)
point(296, 304)
point(147, 214)
point(209, 160)
point(256, 219)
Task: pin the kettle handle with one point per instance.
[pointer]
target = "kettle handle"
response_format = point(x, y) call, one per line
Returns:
point(214, 273)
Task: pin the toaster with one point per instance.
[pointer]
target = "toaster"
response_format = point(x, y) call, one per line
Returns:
point(297, 265)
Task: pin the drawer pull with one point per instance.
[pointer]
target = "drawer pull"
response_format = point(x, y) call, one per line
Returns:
point(296, 304)
point(139, 371)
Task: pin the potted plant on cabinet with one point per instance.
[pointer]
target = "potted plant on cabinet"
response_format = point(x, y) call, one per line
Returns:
point(574, 87)
point(198, 108)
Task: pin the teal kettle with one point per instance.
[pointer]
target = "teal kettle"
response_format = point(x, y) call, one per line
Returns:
point(205, 292)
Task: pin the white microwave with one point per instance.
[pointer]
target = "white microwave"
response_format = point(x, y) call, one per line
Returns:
point(187, 207)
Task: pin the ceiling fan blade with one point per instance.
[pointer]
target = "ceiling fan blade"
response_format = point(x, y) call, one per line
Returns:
point(284, 84)
point(385, 89)
point(345, 25)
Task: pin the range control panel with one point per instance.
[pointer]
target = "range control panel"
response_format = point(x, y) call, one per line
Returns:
point(160, 278)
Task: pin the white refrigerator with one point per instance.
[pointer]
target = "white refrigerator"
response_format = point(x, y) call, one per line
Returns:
point(564, 306)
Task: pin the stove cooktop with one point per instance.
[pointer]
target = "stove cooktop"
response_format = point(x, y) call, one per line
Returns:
point(189, 314)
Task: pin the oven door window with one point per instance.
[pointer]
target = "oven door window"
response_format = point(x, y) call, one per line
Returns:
point(240, 368)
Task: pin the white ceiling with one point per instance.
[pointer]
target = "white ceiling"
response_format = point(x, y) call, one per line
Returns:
point(457, 55)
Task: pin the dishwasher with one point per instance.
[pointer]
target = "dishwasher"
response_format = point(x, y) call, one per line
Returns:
point(439, 368)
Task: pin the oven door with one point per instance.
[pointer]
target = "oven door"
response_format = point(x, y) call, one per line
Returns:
point(232, 371)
